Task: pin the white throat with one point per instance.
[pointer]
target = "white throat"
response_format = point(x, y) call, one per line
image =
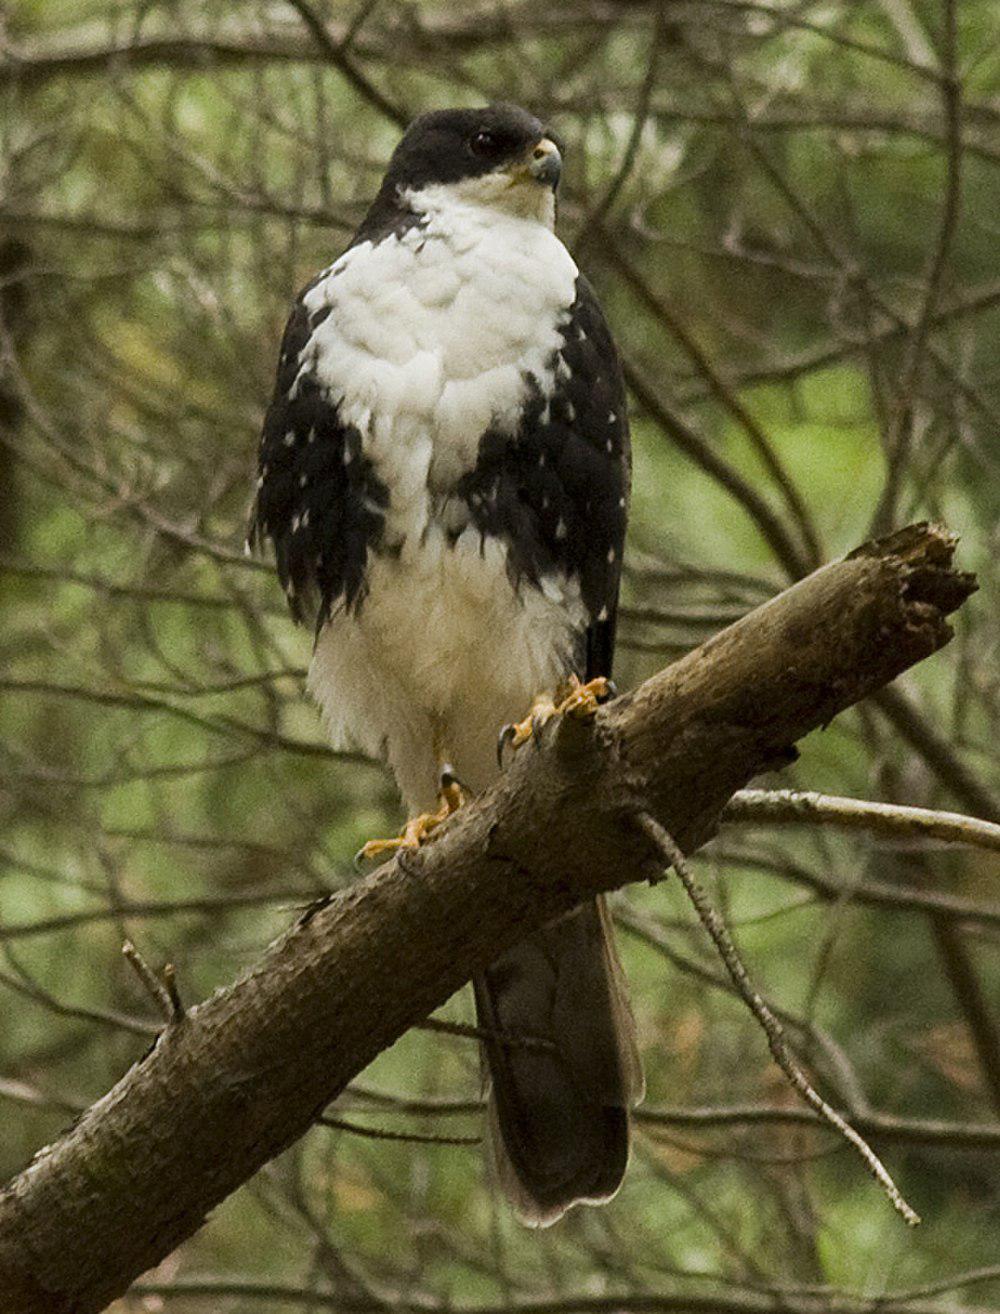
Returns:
point(497, 194)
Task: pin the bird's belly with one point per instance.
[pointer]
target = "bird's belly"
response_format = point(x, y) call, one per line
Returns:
point(449, 621)
point(445, 647)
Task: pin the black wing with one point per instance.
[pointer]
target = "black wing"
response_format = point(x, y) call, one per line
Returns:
point(557, 490)
point(318, 499)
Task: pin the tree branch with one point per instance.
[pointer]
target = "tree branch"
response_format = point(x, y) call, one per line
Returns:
point(891, 820)
point(248, 1071)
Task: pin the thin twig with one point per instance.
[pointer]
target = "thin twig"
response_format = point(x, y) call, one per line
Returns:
point(154, 987)
point(336, 53)
point(24, 984)
point(874, 1122)
point(485, 1033)
point(381, 1134)
point(745, 1117)
point(713, 924)
point(592, 222)
point(690, 441)
point(721, 390)
point(900, 437)
point(938, 753)
point(173, 994)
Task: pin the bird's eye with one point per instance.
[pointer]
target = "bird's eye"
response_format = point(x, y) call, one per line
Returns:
point(485, 143)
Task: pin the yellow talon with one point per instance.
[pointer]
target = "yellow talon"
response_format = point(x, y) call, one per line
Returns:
point(543, 708)
point(418, 830)
point(571, 698)
point(583, 700)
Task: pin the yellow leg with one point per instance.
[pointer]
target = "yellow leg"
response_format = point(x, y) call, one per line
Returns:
point(543, 707)
point(418, 830)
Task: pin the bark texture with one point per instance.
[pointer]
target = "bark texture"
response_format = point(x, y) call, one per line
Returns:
point(246, 1072)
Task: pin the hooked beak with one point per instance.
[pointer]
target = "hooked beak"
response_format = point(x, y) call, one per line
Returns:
point(545, 163)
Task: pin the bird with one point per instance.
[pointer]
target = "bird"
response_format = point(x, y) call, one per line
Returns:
point(443, 476)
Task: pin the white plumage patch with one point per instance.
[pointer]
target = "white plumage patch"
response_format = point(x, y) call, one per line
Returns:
point(429, 341)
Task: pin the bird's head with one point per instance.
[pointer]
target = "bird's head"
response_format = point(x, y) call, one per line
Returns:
point(500, 156)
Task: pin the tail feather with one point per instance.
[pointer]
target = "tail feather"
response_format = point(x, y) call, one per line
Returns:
point(559, 1099)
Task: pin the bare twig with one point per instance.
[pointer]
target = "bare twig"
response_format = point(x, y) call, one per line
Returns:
point(155, 988)
point(382, 1134)
point(336, 53)
point(785, 549)
point(519, 1041)
point(590, 226)
point(900, 434)
point(811, 553)
point(713, 924)
point(173, 994)
point(938, 753)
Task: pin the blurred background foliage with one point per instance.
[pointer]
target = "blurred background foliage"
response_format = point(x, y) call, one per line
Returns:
point(790, 210)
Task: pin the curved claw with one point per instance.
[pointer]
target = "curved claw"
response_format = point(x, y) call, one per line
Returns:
point(449, 779)
point(505, 739)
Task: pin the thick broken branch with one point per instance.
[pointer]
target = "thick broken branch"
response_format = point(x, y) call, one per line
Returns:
point(245, 1073)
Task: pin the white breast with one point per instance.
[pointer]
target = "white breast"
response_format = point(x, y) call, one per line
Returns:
point(430, 337)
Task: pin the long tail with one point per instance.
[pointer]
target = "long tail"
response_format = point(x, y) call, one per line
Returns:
point(559, 1109)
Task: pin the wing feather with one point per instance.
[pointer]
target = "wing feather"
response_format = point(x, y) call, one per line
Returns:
point(318, 500)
